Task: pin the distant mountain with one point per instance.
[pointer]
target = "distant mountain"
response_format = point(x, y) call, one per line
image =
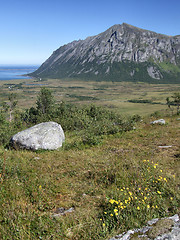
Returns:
point(121, 53)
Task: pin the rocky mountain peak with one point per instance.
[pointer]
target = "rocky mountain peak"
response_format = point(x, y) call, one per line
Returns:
point(121, 53)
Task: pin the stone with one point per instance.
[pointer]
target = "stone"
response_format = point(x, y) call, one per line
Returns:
point(61, 212)
point(47, 136)
point(170, 146)
point(157, 229)
point(159, 121)
point(153, 221)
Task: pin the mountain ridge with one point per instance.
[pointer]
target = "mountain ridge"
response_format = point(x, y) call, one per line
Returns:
point(121, 53)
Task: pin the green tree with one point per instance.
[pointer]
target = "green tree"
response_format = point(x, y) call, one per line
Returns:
point(45, 102)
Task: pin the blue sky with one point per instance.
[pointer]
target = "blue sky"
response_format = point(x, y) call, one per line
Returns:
point(31, 30)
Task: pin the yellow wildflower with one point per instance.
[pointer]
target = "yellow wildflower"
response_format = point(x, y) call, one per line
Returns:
point(115, 210)
point(111, 215)
point(103, 224)
point(105, 212)
point(165, 179)
point(159, 192)
point(111, 201)
point(148, 206)
point(138, 208)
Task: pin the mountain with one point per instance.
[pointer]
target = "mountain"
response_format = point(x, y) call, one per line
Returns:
point(121, 53)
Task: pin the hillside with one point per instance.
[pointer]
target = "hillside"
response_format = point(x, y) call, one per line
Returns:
point(121, 53)
point(129, 169)
point(112, 174)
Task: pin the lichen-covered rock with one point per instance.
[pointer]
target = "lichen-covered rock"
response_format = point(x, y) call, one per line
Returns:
point(156, 229)
point(48, 136)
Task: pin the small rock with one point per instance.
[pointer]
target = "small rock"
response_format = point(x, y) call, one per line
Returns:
point(61, 211)
point(160, 121)
point(165, 146)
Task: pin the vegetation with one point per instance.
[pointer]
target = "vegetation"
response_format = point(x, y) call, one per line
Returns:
point(114, 95)
point(143, 101)
point(113, 186)
point(174, 103)
point(87, 124)
point(119, 72)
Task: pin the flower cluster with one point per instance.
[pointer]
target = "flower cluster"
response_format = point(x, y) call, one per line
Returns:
point(144, 195)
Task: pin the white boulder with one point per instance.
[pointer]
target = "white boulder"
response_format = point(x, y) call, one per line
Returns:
point(47, 135)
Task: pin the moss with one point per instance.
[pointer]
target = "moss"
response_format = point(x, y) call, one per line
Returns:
point(161, 227)
point(137, 236)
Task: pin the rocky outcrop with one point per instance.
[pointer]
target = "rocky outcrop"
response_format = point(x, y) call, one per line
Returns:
point(123, 52)
point(48, 136)
point(156, 229)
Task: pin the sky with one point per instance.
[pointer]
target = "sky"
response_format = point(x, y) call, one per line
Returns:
point(32, 29)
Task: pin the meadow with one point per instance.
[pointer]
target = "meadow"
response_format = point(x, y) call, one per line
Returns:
point(113, 95)
point(113, 185)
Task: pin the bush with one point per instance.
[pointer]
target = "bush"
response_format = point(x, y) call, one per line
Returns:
point(89, 123)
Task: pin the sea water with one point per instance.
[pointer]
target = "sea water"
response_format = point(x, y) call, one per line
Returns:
point(15, 72)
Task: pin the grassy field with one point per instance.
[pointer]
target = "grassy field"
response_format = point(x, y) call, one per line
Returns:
point(113, 95)
point(116, 185)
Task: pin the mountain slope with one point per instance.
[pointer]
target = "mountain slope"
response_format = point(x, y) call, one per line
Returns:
point(121, 53)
